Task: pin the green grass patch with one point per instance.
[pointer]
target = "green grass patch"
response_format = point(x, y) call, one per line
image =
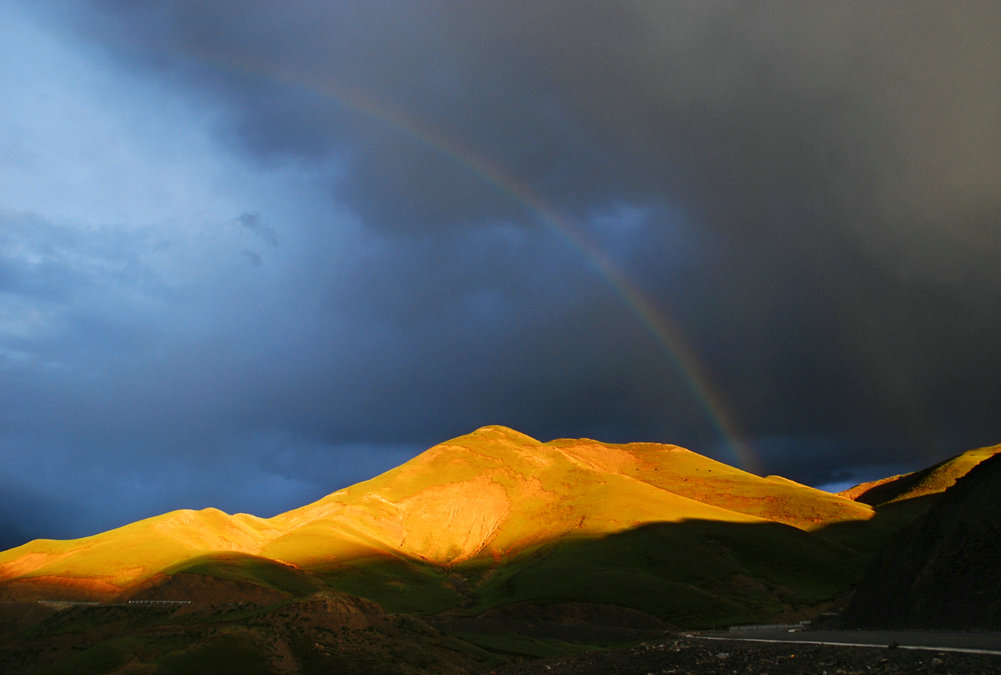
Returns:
point(691, 574)
point(221, 655)
point(251, 569)
point(397, 585)
point(516, 644)
point(868, 536)
point(100, 658)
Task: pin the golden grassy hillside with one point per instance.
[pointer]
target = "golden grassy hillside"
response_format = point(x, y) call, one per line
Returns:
point(691, 475)
point(489, 495)
point(931, 481)
point(495, 492)
point(107, 563)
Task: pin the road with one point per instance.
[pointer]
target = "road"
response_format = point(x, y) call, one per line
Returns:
point(941, 641)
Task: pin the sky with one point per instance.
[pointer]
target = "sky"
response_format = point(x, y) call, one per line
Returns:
point(254, 252)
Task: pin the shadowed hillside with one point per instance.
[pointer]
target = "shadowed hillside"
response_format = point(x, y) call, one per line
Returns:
point(321, 633)
point(942, 570)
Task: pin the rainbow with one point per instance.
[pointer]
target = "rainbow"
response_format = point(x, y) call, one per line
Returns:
point(667, 334)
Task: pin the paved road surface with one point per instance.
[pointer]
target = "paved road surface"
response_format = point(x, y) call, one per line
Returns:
point(979, 642)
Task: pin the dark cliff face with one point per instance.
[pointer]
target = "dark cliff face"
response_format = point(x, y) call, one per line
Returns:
point(944, 569)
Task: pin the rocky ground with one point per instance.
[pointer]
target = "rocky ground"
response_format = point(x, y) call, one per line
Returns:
point(682, 655)
point(330, 632)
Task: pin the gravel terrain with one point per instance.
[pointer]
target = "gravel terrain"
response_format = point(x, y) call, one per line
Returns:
point(681, 655)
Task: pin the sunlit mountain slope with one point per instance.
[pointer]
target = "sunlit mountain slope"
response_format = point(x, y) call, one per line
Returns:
point(691, 475)
point(933, 480)
point(107, 563)
point(486, 498)
point(495, 492)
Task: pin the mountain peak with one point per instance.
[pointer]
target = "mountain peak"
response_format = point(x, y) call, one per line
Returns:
point(501, 432)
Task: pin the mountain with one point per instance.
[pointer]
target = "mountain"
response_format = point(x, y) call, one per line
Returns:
point(496, 518)
point(493, 544)
point(492, 498)
point(942, 569)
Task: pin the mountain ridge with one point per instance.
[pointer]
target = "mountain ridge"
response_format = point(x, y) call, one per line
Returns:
point(496, 517)
point(490, 493)
point(931, 480)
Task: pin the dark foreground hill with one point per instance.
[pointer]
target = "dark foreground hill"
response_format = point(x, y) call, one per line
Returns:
point(943, 570)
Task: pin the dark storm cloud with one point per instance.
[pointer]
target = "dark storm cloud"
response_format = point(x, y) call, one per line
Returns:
point(834, 150)
point(811, 192)
point(756, 115)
